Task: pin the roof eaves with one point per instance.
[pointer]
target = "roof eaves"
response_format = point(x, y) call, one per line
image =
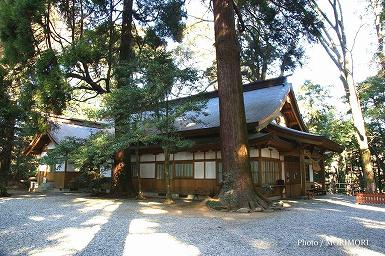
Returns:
point(321, 140)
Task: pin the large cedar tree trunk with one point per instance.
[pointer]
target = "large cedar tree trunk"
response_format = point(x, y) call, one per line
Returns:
point(237, 190)
point(121, 174)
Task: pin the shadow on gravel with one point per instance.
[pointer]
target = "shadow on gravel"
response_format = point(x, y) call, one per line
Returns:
point(76, 224)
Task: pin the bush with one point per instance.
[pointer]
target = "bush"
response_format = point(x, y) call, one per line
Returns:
point(93, 182)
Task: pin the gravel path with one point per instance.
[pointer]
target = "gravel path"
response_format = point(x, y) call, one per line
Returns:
point(74, 224)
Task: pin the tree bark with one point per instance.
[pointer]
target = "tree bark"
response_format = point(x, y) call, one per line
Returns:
point(140, 195)
point(121, 169)
point(359, 125)
point(6, 155)
point(167, 177)
point(336, 47)
point(380, 167)
point(237, 190)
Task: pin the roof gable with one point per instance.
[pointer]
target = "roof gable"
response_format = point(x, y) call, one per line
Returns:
point(62, 130)
point(263, 101)
point(292, 115)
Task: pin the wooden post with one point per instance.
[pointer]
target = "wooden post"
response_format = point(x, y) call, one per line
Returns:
point(302, 170)
point(322, 173)
point(259, 167)
point(65, 174)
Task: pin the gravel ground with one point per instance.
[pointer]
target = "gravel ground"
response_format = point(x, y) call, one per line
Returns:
point(74, 224)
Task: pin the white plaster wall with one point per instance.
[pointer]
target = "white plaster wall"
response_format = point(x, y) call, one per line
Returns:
point(311, 176)
point(51, 145)
point(210, 170)
point(219, 155)
point(275, 154)
point(254, 152)
point(283, 170)
point(147, 170)
point(265, 152)
point(71, 168)
point(183, 156)
point(160, 157)
point(199, 155)
point(105, 171)
point(199, 171)
point(60, 167)
point(210, 155)
point(147, 158)
point(43, 167)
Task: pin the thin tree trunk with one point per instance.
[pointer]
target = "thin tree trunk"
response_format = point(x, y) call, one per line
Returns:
point(140, 195)
point(359, 125)
point(238, 190)
point(6, 155)
point(336, 47)
point(167, 175)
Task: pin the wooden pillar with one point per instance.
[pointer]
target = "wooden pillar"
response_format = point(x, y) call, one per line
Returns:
point(65, 175)
point(302, 170)
point(322, 173)
point(259, 167)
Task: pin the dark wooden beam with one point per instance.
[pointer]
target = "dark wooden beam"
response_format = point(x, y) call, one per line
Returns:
point(302, 170)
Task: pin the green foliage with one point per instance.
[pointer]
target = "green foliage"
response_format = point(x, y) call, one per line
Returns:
point(324, 119)
point(372, 97)
point(273, 36)
point(7, 108)
point(52, 92)
point(23, 166)
point(321, 118)
point(16, 128)
point(16, 33)
point(91, 181)
point(90, 48)
point(142, 107)
point(86, 155)
point(169, 23)
point(87, 58)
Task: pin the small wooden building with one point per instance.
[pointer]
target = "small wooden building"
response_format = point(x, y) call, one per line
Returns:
point(60, 175)
point(284, 156)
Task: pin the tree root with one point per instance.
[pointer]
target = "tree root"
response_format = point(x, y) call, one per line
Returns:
point(168, 201)
point(140, 196)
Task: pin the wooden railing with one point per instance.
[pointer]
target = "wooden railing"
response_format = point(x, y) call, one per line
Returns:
point(363, 198)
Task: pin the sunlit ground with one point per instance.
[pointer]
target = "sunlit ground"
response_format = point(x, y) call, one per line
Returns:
point(75, 224)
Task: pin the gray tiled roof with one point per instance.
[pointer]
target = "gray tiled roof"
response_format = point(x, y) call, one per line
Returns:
point(260, 105)
point(62, 130)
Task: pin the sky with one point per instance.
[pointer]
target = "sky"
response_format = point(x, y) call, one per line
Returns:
point(317, 66)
